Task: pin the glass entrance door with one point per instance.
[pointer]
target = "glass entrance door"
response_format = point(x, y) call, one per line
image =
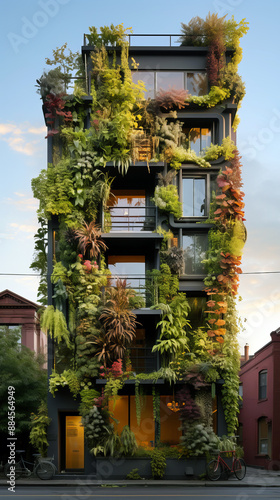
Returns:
point(74, 440)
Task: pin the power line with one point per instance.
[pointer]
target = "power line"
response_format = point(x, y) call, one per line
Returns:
point(130, 275)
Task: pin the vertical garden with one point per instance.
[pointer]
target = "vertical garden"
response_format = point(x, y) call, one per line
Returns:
point(98, 118)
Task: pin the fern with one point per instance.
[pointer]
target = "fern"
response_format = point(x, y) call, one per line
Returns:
point(53, 322)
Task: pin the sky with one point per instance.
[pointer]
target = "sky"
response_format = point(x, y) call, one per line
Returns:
point(30, 30)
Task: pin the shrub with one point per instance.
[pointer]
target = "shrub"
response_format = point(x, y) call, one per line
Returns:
point(134, 474)
point(199, 439)
point(158, 464)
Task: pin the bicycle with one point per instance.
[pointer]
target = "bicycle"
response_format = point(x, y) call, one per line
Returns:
point(42, 467)
point(215, 468)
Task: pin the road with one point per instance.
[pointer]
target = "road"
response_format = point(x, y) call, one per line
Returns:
point(140, 493)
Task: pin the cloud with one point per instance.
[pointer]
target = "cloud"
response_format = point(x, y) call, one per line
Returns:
point(6, 236)
point(27, 228)
point(20, 137)
point(23, 202)
point(37, 131)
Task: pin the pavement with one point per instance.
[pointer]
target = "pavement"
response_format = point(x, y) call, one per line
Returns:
point(254, 478)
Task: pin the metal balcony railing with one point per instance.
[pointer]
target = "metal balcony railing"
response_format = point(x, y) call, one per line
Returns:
point(168, 38)
point(126, 218)
point(145, 287)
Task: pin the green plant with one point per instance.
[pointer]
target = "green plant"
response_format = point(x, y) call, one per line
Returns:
point(134, 475)
point(38, 433)
point(128, 442)
point(174, 258)
point(88, 397)
point(113, 35)
point(67, 377)
point(53, 322)
point(199, 439)
point(158, 463)
point(173, 335)
point(166, 199)
point(97, 429)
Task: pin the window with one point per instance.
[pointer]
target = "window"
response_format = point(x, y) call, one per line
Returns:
point(196, 83)
point(194, 251)
point(127, 210)
point(263, 435)
point(148, 78)
point(130, 267)
point(198, 138)
point(240, 393)
point(194, 196)
point(193, 81)
point(263, 384)
point(165, 80)
point(196, 315)
point(196, 192)
point(16, 329)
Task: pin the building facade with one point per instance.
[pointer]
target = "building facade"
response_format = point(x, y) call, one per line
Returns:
point(145, 226)
point(259, 413)
point(20, 314)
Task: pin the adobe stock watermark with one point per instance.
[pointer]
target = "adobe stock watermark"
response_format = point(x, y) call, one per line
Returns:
point(226, 6)
point(266, 135)
point(30, 27)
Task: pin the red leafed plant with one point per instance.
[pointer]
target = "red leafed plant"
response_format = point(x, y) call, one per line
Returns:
point(230, 201)
point(187, 405)
point(54, 108)
point(230, 210)
point(171, 98)
point(90, 242)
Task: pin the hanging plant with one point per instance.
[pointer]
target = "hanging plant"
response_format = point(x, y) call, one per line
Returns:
point(54, 324)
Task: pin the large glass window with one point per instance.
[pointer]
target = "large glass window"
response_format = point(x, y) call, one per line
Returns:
point(148, 78)
point(195, 247)
point(127, 210)
point(263, 384)
point(198, 138)
point(130, 267)
point(166, 80)
point(194, 197)
point(193, 81)
point(196, 83)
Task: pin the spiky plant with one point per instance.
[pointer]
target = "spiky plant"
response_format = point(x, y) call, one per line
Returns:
point(118, 320)
point(90, 241)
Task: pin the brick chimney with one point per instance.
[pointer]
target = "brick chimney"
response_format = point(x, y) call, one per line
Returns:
point(246, 352)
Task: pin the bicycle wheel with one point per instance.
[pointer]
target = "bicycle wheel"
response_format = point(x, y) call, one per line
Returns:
point(239, 468)
point(15, 469)
point(214, 470)
point(45, 470)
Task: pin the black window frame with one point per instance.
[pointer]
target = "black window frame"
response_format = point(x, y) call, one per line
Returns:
point(186, 172)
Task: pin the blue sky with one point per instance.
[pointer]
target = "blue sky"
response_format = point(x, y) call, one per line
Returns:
point(29, 32)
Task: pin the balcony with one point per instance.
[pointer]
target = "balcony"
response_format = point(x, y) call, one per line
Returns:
point(142, 360)
point(129, 218)
point(145, 287)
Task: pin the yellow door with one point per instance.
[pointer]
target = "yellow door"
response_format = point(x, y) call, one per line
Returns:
point(74, 443)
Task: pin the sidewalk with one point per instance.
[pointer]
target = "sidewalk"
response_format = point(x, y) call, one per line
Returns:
point(254, 478)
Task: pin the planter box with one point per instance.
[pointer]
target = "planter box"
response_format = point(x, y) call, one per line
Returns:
point(118, 468)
